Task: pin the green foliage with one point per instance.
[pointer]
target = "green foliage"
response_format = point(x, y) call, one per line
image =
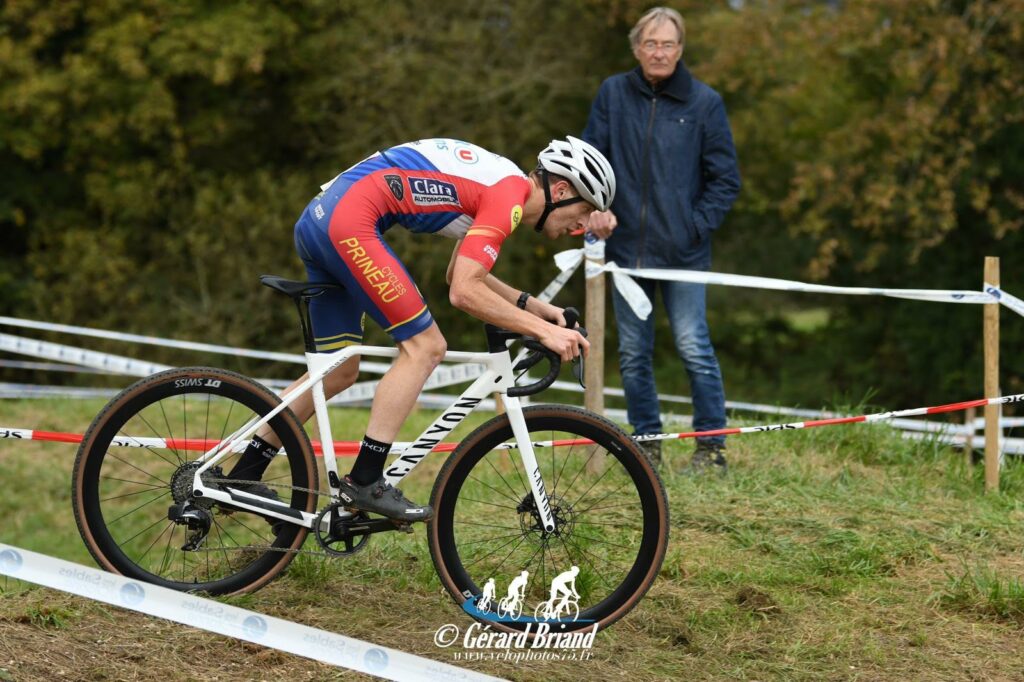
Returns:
point(984, 591)
point(155, 155)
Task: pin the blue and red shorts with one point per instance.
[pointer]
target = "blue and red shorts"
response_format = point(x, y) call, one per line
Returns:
point(345, 246)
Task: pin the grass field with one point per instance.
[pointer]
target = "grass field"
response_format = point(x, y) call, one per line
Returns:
point(835, 553)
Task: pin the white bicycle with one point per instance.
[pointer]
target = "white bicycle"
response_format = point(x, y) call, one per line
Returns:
point(552, 609)
point(511, 608)
point(537, 488)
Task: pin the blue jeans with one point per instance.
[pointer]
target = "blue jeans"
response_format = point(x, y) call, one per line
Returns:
point(687, 316)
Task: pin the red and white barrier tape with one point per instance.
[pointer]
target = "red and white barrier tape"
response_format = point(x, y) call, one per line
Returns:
point(876, 417)
point(350, 448)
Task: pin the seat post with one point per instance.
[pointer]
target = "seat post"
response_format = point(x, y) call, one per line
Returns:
point(302, 303)
point(301, 293)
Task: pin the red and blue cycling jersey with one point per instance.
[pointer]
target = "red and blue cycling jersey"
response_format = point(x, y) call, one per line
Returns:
point(436, 186)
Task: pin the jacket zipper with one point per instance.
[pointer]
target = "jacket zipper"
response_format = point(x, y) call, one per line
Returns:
point(646, 183)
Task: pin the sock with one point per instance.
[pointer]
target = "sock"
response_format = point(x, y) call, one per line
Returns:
point(369, 464)
point(254, 461)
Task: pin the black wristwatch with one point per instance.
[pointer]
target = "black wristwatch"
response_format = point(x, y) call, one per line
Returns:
point(522, 299)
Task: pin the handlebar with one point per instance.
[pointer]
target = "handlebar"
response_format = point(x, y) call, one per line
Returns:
point(497, 338)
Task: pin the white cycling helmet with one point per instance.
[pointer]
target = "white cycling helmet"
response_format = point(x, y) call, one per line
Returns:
point(583, 165)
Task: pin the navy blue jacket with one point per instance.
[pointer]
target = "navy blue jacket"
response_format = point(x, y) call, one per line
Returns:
point(675, 167)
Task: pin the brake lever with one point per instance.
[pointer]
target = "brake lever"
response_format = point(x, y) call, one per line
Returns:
point(577, 369)
point(572, 317)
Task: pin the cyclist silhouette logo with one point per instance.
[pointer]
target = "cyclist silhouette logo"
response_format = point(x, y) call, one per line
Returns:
point(511, 605)
point(564, 601)
point(487, 598)
point(562, 606)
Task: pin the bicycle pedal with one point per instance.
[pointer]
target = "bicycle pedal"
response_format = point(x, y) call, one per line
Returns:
point(403, 526)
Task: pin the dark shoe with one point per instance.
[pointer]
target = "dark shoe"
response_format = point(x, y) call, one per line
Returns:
point(708, 457)
point(382, 498)
point(651, 448)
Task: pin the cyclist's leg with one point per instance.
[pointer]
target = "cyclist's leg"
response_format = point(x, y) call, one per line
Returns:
point(336, 315)
point(401, 385)
point(337, 322)
point(358, 257)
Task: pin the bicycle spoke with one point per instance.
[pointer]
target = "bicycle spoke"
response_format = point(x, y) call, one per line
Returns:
point(118, 497)
point(170, 431)
point(582, 469)
point(144, 473)
point(521, 539)
point(581, 497)
point(495, 469)
point(503, 506)
point(155, 523)
point(494, 489)
point(599, 478)
point(126, 480)
point(130, 511)
point(488, 525)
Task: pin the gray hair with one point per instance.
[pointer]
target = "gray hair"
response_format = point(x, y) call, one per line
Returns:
point(657, 16)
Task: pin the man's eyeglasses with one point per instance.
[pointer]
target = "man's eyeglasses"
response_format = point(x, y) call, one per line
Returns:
point(652, 46)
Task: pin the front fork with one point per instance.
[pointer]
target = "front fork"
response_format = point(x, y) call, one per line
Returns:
point(540, 496)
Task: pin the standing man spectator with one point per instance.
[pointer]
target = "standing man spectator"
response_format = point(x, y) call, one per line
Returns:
point(668, 139)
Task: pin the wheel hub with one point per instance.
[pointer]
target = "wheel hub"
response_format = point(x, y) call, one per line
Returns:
point(561, 510)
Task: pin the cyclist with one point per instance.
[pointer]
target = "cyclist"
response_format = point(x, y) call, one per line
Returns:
point(564, 587)
point(516, 591)
point(488, 595)
point(437, 186)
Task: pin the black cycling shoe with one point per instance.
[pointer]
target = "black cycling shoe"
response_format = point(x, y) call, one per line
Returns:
point(382, 498)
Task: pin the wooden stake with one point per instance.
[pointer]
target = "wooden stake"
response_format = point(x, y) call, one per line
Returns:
point(593, 377)
point(991, 340)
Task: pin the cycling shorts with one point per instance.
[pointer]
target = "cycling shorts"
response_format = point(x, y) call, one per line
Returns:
point(351, 251)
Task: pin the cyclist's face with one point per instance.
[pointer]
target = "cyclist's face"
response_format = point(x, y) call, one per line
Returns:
point(566, 219)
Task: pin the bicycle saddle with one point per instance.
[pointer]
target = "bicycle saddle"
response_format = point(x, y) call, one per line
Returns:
point(294, 288)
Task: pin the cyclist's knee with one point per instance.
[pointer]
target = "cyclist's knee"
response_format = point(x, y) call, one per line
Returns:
point(342, 377)
point(428, 348)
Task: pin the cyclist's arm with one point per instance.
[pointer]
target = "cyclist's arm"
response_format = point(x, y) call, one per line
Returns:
point(534, 305)
point(470, 292)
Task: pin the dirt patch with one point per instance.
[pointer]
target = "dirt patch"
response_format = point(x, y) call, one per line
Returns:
point(757, 601)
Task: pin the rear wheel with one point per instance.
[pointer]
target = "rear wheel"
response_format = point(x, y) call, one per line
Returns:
point(139, 457)
point(610, 510)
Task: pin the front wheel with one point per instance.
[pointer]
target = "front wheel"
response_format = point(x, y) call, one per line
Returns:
point(610, 510)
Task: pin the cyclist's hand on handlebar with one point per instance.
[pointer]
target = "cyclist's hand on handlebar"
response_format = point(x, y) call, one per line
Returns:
point(546, 311)
point(568, 343)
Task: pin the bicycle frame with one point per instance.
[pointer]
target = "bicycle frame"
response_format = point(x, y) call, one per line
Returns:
point(497, 377)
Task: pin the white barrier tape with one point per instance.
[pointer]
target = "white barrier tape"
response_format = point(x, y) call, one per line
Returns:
point(360, 392)
point(78, 356)
point(569, 260)
point(572, 257)
point(23, 391)
point(555, 286)
point(150, 340)
point(1007, 299)
point(224, 619)
point(51, 367)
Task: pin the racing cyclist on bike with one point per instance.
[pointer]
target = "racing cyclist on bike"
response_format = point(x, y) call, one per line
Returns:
point(438, 186)
point(563, 588)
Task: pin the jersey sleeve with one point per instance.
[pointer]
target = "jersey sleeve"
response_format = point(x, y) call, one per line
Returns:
point(501, 210)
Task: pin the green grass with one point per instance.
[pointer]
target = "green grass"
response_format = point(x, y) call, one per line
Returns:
point(838, 553)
